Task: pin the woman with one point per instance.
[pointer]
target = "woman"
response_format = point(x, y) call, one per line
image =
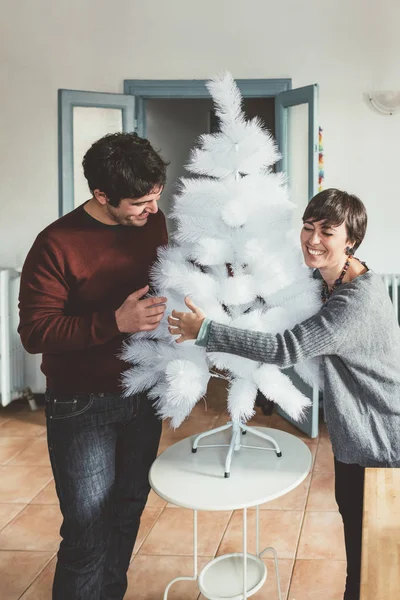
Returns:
point(358, 339)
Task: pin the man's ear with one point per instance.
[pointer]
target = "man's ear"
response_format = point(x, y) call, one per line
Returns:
point(100, 197)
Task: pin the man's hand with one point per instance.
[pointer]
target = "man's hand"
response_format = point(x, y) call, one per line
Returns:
point(186, 325)
point(140, 315)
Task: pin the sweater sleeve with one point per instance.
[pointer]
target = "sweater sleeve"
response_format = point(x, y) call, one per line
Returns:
point(318, 335)
point(44, 326)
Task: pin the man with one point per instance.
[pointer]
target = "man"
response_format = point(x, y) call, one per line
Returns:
point(83, 289)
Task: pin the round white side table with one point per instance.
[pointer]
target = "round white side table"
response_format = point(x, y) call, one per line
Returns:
point(196, 481)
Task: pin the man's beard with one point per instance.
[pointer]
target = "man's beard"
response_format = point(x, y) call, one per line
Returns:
point(124, 220)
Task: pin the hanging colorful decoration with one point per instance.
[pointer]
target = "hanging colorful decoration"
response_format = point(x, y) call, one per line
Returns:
point(321, 174)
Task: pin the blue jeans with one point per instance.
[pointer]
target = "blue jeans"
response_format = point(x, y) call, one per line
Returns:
point(101, 448)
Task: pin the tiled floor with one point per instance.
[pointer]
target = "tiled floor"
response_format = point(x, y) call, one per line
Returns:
point(304, 525)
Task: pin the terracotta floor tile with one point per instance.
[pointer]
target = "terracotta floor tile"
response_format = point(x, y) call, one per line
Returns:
point(222, 419)
point(324, 459)
point(274, 421)
point(35, 454)
point(42, 586)
point(164, 542)
point(16, 406)
point(316, 579)
point(148, 577)
point(21, 484)
point(10, 447)
point(294, 500)
point(149, 517)
point(277, 422)
point(8, 512)
point(39, 415)
point(313, 447)
point(154, 501)
point(47, 496)
point(206, 409)
point(270, 589)
point(18, 570)
point(323, 432)
point(191, 426)
point(322, 492)
point(3, 417)
point(322, 536)
point(11, 411)
point(173, 532)
point(169, 437)
point(216, 397)
point(164, 444)
point(278, 528)
point(25, 425)
point(35, 528)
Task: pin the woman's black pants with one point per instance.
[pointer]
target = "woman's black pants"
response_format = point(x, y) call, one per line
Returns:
point(349, 493)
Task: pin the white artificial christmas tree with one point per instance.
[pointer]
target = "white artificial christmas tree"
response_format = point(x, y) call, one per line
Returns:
point(235, 254)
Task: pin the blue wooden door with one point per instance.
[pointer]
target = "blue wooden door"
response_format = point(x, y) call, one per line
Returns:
point(287, 124)
point(84, 117)
point(296, 123)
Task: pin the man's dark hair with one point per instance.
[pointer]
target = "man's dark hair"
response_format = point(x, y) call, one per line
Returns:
point(123, 165)
point(335, 207)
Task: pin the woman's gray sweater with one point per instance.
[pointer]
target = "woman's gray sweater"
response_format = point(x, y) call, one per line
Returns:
point(357, 336)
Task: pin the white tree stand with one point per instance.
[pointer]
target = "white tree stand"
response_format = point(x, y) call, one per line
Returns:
point(238, 429)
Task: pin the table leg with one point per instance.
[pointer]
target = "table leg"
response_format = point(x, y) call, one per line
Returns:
point(257, 530)
point(278, 581)
point(195, 560)
point(245, 554)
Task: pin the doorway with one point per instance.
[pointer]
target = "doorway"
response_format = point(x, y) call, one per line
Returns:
point(152, 108)
point(174, 125)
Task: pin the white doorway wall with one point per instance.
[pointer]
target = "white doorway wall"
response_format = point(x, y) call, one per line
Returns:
point(172, 127)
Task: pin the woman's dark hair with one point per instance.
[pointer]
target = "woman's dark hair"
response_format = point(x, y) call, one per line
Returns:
point(335, 207)
point(123, 165)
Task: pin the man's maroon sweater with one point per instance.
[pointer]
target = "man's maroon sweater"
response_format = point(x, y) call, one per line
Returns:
point(77, 273)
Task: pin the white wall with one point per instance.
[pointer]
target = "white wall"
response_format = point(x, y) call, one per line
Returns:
point(348, 47)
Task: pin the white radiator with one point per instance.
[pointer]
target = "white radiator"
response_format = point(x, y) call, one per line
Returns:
point(392, 283)
point(12, 353)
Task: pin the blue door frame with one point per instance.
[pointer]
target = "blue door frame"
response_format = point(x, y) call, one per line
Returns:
point(67, 99)
point(284, 101)
point(144, 89)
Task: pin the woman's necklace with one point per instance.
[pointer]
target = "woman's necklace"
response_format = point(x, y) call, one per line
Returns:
point(326, 292)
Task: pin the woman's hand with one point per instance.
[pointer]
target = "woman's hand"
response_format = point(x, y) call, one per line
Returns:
point(186, 325)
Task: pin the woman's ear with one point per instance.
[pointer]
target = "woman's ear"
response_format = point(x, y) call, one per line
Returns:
point(349, 249)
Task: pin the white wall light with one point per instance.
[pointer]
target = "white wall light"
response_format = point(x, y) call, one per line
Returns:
point(386, 102)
